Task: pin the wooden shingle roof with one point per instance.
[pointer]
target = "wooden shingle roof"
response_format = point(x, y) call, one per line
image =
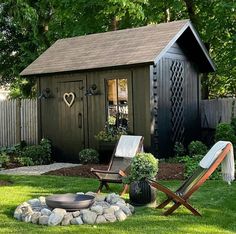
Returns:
point(109, 49)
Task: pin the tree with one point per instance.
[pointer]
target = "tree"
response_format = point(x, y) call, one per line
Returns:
point(29, 27)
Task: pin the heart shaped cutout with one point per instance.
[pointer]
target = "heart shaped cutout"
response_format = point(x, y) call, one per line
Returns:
point(69, 98)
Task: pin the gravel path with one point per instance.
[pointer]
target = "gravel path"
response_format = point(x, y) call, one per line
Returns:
point(37, 170)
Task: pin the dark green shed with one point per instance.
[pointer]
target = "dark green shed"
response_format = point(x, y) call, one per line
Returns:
point(146, 78)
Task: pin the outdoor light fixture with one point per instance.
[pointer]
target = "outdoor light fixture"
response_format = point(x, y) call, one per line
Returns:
point(92, 90)
point(45, 94)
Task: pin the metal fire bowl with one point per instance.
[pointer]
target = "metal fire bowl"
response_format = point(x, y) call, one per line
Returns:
point(70, 201)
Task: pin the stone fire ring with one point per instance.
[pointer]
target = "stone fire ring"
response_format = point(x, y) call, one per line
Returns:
point(105, 209)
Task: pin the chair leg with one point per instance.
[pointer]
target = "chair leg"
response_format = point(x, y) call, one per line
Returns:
point(164, 203)
point(100, 187)
point(125, 189)
point(186, 204)
point(107, 186)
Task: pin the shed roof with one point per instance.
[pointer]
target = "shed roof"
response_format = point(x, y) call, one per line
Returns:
point(117, 48)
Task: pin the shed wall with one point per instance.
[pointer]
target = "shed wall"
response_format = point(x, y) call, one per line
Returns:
point(61, 123)
point(177, 115)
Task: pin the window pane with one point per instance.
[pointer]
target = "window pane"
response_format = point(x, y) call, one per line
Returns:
point(123, 103)
point(112, 101)
point(117, 97)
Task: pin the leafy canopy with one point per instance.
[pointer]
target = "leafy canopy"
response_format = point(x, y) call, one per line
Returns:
point(27, 28)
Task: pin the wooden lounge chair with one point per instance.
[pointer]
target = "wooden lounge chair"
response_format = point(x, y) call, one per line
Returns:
point(183, 193)
point(126, 148)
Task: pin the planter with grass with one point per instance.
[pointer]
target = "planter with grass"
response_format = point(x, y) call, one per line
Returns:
point(143, 166)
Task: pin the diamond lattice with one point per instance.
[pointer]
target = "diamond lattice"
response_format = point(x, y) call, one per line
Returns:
point(177, 100)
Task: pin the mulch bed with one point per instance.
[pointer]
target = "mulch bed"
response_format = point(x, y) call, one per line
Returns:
point(167, 171)
point(5, 183)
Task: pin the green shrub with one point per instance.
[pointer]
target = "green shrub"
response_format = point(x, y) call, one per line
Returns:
point(25, 161)
point(197, 148)
point(233, 124)
point(179, 149)
point(192, 162)
point(37, 153)
point(143, 166)
point(225, 132)
point(47, 146)
point(4, 159)
point(88, 156)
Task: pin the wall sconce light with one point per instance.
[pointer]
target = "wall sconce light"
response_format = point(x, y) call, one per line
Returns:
point(45, 94)
point(92, 90)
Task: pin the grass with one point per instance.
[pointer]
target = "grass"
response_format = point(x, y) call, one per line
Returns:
point(215, 200)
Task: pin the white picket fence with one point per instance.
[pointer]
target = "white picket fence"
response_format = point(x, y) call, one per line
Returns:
point(217, 111)
point(18, 121)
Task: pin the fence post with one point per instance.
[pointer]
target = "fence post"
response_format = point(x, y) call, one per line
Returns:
point(18, 120)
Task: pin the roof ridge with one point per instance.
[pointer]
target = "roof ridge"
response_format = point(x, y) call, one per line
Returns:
point(123, 30)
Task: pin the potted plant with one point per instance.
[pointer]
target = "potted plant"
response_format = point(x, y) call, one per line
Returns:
point(107, 139)
point(143, 166)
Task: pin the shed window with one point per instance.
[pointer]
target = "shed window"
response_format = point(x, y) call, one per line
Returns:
point(117, 102)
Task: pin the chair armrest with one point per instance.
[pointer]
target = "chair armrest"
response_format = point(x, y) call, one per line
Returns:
point(105, 172)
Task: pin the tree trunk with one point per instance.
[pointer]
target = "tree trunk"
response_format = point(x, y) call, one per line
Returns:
point(191, 9)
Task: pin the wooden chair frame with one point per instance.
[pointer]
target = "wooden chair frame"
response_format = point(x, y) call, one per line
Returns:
point(183, 200)
point(105, 182)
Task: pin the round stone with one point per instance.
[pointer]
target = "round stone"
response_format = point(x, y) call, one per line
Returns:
point(43, 220)
point(77, 221)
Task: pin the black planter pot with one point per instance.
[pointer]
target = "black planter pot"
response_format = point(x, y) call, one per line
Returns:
point(141, 193)
point(105, 151)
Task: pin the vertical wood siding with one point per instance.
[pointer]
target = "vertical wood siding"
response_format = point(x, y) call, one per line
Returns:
point(18, 121)
point(217, 111)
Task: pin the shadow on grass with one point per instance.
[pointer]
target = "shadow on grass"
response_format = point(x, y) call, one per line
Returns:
point(214, 201)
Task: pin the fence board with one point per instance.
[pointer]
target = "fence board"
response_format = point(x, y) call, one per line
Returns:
point(217, 111)
point(18, 121)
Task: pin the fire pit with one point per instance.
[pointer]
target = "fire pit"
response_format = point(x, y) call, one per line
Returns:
point(69, 201)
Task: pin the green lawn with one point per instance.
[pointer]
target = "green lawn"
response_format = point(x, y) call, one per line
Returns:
point(215, 200)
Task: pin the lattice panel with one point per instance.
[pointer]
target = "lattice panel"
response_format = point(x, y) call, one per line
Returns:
point(177, 100)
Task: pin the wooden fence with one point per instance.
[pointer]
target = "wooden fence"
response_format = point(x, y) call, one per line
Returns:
point(217, 111)
point(18, 121)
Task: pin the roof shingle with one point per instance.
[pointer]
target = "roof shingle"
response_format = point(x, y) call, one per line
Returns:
point(116, 48)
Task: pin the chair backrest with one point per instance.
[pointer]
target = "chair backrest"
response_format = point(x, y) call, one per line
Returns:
point(127, 147)
point(202, 174)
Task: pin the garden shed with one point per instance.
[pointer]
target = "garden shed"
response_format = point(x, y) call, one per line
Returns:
point(145, 79)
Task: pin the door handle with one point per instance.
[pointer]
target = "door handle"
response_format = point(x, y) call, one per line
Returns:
point(80, 120)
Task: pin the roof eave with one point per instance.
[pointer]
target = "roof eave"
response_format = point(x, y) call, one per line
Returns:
point(89, 69)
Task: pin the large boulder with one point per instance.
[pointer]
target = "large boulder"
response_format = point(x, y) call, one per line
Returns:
point(56, 217)
point(43, 220)
point(66, 219)
point(89, 217)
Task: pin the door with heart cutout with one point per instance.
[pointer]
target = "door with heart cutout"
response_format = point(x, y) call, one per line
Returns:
point(71, 119)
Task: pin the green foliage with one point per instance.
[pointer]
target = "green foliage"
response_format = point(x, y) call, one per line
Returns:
point(179, 149)
point(47, 146)
point(36, 153)
point(233, 124)
point(28, 155)
point(25, 161)
point(197, 148)
point(143, 166)
point(192, 162)
point(89, 155)
point(225, 132)
point(110, 133)
point(29, 27)
point(4, 159)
